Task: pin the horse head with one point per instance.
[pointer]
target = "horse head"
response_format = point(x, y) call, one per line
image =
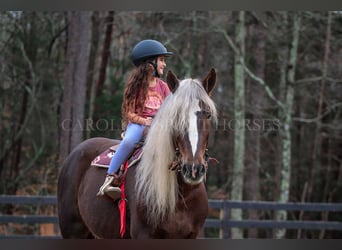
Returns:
point(191, 157)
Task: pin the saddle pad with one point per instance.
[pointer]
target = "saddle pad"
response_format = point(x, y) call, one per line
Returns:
point(135, 156)
point(103, 159)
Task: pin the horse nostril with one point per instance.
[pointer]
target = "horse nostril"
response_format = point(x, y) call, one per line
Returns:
point(193, 171)
point(186, 169)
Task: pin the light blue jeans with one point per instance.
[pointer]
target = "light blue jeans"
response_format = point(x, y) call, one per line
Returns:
point(133, 135)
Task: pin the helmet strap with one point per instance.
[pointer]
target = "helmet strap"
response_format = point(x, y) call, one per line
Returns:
point(155, 66)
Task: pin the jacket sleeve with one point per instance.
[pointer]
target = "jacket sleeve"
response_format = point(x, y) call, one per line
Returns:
point(135, 118)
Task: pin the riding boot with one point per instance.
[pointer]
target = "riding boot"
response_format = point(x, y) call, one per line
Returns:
point(108, 189)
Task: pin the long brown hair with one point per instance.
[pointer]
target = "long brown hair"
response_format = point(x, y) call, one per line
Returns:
point(136, 91)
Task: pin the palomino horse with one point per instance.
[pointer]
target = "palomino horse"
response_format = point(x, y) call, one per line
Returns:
point(165, 191)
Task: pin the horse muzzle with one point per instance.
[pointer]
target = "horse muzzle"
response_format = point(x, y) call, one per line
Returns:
point(193, 174)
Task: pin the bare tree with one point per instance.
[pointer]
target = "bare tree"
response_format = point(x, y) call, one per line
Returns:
point(91, 84)
point(239, 117)
point(285, 172)
point(72, 118)
point(253, 144)
point(105, 52)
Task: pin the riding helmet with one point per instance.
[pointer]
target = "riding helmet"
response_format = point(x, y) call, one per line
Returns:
point(147, 49)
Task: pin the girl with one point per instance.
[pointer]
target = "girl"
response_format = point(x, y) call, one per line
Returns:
point(143, 96)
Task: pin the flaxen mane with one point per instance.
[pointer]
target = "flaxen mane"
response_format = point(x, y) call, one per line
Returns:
point(156, 185)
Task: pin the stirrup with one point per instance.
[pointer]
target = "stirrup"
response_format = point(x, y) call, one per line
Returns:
point(109, 190)
point(113, 192)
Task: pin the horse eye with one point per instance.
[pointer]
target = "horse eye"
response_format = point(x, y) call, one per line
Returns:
point(204, 114)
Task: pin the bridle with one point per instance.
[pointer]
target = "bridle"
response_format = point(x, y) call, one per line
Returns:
point(177, 163)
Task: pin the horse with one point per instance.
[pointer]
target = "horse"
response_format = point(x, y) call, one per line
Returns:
point(165, 191)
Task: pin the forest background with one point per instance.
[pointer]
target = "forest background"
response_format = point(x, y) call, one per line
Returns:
point(278, 96)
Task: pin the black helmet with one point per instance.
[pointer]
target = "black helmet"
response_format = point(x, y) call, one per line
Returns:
point(146, 49)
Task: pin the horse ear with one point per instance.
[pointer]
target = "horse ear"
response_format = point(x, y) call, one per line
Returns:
point(172, 81)
point(209, 81)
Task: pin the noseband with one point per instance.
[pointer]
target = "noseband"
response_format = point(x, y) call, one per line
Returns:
point(177, 162)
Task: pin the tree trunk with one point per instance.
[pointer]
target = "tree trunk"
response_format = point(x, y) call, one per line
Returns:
point(105, 52)
point(239, 132)
point(283, 57)
point(325, 140)
point(72, 117)
point(91, 84)
point(66, 122)
point(80, 79)
point(285, 173)
point(257, 97)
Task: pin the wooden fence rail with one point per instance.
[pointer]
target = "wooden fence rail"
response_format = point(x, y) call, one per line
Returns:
point(223, 223)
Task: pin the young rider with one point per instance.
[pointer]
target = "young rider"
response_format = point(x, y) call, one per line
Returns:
point(143, 96)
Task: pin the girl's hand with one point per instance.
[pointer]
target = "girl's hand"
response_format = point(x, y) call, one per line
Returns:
point(148, 121)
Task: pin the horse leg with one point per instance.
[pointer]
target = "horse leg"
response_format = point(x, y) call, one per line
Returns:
point(138, 228)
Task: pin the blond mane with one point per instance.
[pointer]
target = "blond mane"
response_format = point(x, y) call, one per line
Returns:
point(156, 185)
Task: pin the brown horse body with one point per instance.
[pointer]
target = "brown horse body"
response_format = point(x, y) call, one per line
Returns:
point(83, 215)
